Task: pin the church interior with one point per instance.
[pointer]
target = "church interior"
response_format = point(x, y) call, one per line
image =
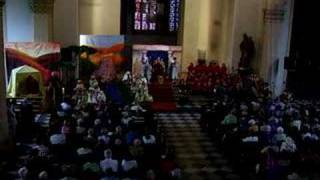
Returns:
point(159, 89)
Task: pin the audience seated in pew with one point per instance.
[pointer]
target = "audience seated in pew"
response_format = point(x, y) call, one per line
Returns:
point(94, 139)
point(275, 138)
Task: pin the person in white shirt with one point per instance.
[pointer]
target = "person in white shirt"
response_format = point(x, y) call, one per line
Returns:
point(149, 139)
point(43, 175)
point(23, 173)
point(92, 99)
point(108, 162)
point(126, 118)
point(296, 123)
point(57, 139)
point(128, 164)
point(84, 151)
point(280, 136)
point(104, 136)
point(136, 108)
point(288, 145)
point(127, 77)
point(250, 139)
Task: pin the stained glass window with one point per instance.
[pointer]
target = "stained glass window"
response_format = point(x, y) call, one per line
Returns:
point(145, 15)
point(174, 15)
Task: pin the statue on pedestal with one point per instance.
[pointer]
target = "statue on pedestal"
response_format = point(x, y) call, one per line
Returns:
point(247, 49)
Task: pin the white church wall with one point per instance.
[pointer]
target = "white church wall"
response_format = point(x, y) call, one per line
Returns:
point(99, 17)
point(276, 46)
point(65, 22)
point(19, 21)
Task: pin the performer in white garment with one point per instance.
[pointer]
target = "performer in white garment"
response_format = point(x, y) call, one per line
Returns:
point(146, 67)
point(173, 68)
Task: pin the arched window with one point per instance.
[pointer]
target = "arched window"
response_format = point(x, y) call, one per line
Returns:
point(145, 16)
point(174, 15)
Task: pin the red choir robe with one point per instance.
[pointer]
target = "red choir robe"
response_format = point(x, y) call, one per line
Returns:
point(191, 67)
point(223, 69)
point(204, 84)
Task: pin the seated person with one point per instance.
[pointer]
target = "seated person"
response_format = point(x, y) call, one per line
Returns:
point(136, 150)
point(230, 119)
point(58, 139)
point(91, 169)
point(129, 164)
point(84, 151)
point(149, 139)
point(280, 136)
point(108, 162)
point(43, 175)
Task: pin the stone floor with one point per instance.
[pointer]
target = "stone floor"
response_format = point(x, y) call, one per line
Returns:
point(196, 154)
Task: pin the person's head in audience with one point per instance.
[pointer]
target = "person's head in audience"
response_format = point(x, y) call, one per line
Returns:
point(84, 150)
point(149, 138)
point(97, 125)
point(90, 133)
point(265, 128)
point(151, 175)
point(118, 130)
point(104, 131)
point(253, 127)
point(97, 122)
point(65, 127)
point(57, 138)
point(280, 136)
point(43, 175)
point(90, 138)
point(108, 154)
point(117, 142)
point(23, 173)
point(137, 142)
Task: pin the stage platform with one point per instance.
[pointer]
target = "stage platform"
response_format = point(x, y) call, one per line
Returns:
point(163, 97)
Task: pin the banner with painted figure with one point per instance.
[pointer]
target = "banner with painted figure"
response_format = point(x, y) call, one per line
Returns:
point(102, 55)
point(40, 56)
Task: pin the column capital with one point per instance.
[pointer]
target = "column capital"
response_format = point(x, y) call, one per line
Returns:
point(41, 6)
point(2, 2)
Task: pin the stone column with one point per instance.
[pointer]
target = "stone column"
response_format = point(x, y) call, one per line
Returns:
point(66, 22)
point(43, 19)
point(4, 129)
point(276, 42)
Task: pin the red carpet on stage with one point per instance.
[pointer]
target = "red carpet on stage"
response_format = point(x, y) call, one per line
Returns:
point(163, 106)
point(163, 98)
